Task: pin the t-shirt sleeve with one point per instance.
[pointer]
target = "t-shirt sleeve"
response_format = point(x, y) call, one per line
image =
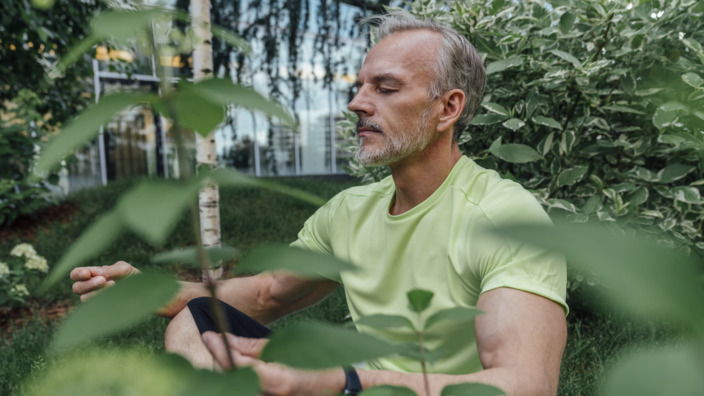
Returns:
point(315, 234)
point(501, 262)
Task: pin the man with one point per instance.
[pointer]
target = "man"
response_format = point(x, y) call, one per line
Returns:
point(420, 228)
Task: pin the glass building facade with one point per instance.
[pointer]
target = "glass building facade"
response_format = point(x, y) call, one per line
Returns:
point(138, 141)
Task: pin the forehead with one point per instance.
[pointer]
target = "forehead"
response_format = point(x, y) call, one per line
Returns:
point(405, 55)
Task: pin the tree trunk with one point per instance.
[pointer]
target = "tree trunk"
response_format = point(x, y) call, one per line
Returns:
point(206, 154)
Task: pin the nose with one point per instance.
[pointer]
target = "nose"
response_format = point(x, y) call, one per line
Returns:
point(361, 104)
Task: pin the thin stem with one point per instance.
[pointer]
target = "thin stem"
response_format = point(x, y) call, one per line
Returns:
point(186, 174)
point(423, 367)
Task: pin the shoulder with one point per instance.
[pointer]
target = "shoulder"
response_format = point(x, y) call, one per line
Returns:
point(499, 199)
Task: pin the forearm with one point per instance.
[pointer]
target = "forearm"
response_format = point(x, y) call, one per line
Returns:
point(265, 297)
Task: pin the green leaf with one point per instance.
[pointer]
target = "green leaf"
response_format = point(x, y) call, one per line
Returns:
point(572, 175)
point(663, 119)
point(622, 109)
point(116, 308)
point(516, 153)
point(648, 92)
point(224, 91)
point(303, 262)
point(241, 382)
point(153, 207)
point(91, 242)
point(121, 25)
point(419, 300)
point(231, 39)
point(687, 194)
point(76, 374)
point(381, 321)
point(82, 129)
point(75, 53)
point(311, 345)
point(532, 102)
point(488, 119)
point(673, 371)
point(231, 177)
point(514, 124)
point(566, 22)
point(638, 196)
point(388, 390)
point(456, 314)
point(567, 57)
point(693, 79)
point(674, 172)
point(504, 64)
point(189, 255)
point(693, 45)
point(471, 389)
point(495, 108)
point(644, 278)
point(547, 121)
point(191, 110)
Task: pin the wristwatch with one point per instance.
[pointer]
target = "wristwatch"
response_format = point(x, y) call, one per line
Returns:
point(352, 385)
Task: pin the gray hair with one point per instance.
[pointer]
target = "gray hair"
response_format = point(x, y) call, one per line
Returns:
point(459, 65)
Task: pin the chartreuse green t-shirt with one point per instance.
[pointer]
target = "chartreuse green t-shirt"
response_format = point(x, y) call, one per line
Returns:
point(440, 245)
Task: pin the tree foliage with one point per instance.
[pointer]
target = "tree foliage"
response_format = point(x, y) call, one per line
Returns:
point(594, 106)
point(31, 39)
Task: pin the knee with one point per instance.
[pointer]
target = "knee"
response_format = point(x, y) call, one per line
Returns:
point(180, 331)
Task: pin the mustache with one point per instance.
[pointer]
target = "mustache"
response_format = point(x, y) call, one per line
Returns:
point(366, 123)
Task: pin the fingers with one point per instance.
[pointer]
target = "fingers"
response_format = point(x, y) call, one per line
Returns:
point(249, 346)
point(116, 271)
point(87, 296)
point(89, 279)
point(83, 287)
point(215, 344)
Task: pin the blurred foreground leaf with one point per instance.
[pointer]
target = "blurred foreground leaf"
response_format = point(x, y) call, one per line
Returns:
point(152, 208)
point(107, 372)
point(116, 308)
point(302, 262)
point(641, 276)
point(93, 240)
point(381, 321)
point(318, 346)
point(231, 177)
point(471, 389)
point(189, 255)
point(388, 390)
point(241, 382)
point(137, 372)
point(81, 130)
point(676, 371)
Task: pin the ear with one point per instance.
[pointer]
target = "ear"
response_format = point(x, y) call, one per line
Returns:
point(453, 102)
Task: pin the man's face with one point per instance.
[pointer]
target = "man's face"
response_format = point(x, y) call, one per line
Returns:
point(396, 118)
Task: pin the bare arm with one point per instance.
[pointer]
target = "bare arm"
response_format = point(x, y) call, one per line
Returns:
point(520, 342)
point(265, 297)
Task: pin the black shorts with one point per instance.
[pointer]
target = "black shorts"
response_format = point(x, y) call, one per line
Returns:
point(237, 323)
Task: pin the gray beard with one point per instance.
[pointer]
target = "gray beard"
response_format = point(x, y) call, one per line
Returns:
point(398, 146)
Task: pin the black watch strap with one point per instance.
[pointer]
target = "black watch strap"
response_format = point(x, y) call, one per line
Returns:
point(352, 385)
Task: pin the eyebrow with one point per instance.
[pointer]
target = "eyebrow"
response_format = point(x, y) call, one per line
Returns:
point(382, 78)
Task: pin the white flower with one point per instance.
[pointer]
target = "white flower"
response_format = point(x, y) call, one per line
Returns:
point(37, 263)
point(19, 290)
point(23, 250)
point(4, 269)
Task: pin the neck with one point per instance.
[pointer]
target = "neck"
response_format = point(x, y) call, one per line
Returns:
point(418, 177)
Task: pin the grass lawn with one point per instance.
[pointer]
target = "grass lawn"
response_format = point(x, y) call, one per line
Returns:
point(250, 218)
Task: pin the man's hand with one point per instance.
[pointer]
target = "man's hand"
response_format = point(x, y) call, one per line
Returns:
point(89, 280)
point(275, 379)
